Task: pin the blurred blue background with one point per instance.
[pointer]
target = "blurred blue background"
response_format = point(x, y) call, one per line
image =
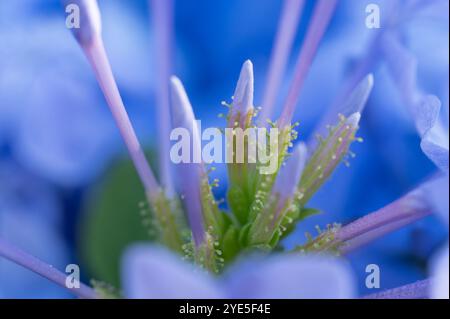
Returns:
point(68, 193)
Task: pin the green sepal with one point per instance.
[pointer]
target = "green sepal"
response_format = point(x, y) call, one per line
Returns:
point(275, 239)
point(231, 245)
point(212, 216)
point(308, 212)
point(243, 235)
point(169, 221)
point(105, 291)
point(239, 203)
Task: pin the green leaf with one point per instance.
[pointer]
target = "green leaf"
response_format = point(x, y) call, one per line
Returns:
point(111, 221)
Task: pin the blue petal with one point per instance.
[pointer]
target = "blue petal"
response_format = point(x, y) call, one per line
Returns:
point(30, 216)
point(424, 108)
point(290, 276)
point(155, 272)
point(440, 275)
point(437, 191)
point(435, 138)
point(63, 134)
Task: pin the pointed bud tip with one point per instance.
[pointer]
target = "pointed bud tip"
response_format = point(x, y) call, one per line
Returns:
point(369, 80)
point(89, 22)
point(247, 74)
point(175, 81)
point(353, 119)
point(243, 94)
point(177, 90)
point(182, 113)
point(248, 67)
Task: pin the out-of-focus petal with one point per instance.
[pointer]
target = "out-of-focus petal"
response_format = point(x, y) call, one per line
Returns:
point(63, 135)
point(290, 276)
point(435, 137)
point(437, 194)
point(29, 218)
point(425, 109)
point(440, 274)
point(155, 272)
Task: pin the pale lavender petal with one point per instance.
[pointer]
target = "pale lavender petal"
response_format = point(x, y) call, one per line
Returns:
point(162, 14)
point(319, 22)
point(437, 194)
point(440, 274)
point(287, 27)
point(155, 272)
point(290, 276)
point(189, 174)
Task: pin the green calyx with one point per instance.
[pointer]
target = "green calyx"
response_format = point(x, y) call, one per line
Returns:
point(258, 218)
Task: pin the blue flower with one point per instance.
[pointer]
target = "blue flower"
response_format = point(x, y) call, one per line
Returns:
point(263, 208)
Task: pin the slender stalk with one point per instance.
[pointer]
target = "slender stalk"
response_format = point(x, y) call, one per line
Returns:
point(417, 290)
point(287, 28)
point(162, 15)
point(322, 15)
point(98, 58)
point(404, 211)
point(43, 269)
